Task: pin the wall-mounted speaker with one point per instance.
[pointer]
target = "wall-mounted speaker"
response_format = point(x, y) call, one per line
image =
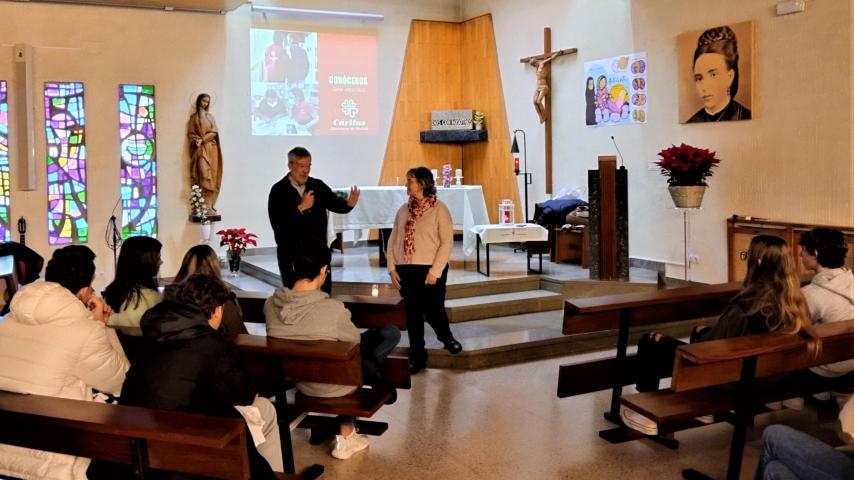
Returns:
point(22, 125)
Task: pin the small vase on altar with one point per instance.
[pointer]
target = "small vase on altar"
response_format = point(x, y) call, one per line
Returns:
point(233, 263)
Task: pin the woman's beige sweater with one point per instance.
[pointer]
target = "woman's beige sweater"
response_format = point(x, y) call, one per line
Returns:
point(434, 237)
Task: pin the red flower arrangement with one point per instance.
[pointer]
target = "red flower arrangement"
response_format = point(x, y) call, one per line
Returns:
point(686, 165)
point(237, 239)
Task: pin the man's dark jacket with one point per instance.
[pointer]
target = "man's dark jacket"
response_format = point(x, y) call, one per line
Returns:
point(292, 228)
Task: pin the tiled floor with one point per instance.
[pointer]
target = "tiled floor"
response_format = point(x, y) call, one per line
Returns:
point(507, 423)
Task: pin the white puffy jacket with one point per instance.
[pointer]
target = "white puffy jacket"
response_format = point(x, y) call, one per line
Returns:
point(51, 345)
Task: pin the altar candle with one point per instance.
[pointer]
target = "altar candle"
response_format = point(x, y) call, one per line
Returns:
point(459, 172)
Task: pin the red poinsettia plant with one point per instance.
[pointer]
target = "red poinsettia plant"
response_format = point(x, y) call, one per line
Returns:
point(686, 165)
point(237, 239)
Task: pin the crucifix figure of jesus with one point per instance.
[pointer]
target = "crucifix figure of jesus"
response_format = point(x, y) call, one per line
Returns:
point(542, 93)
point(542, 90)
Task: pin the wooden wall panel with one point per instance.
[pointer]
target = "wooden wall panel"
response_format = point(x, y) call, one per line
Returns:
point(452, 65)
point(487, 163)
point(430, 80)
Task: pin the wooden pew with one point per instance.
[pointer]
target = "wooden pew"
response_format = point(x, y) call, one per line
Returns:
point(623, 312)
point(144, 438)
point(700, 369)
point(367, 311)
point(325, 362)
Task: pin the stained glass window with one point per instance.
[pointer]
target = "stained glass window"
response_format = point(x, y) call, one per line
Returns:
point(5, 234)
point(139, 160)
point(65, 126)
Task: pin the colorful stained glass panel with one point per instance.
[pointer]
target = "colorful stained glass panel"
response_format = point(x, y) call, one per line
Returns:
point(5, 233)
point(65, 128)
point(139, 160)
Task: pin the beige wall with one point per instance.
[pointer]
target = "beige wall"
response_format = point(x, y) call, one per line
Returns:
point(794, 161)
point(183, 54)
point(179, 53)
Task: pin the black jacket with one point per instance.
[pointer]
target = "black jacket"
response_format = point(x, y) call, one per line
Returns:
point(291, 227)
point(185, 365)
point(735, 322)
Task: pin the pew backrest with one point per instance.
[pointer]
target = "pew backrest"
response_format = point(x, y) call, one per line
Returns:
point(586, 315)
point(718, 362)
point(323, 361)
point(173, 441)
point(366, 311)
point(595, 314)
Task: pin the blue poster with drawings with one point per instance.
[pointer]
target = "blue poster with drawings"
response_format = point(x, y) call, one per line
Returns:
point(615, 90)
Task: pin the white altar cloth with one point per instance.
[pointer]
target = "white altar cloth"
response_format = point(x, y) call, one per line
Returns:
point(378, 205)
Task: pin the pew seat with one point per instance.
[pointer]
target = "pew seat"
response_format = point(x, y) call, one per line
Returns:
point(727, 377)
point(147, 439)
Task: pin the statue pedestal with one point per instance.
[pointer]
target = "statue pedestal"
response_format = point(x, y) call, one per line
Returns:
point(211, 218)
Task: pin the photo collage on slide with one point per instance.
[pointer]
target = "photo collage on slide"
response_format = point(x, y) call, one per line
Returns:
point(309, 83)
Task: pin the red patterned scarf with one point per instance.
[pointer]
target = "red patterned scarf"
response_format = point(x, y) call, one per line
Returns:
point(416, 209)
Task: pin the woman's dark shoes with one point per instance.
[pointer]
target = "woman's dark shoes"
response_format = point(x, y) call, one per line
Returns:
point(393, 396)
point(453, 346)
point(416, 365)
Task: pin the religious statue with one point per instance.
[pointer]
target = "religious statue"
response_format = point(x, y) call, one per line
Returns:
point(542, 90)
point(205, 152)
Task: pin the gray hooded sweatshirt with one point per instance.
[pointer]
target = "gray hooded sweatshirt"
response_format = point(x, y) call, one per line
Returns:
point(310, 315)
point(830, 296)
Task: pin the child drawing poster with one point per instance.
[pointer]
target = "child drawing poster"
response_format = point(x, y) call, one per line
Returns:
point(615, 90)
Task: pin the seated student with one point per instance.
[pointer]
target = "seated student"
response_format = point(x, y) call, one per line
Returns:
point(28, 266)
point(830, 294)
point(54, 342)
point(203, 259)
point(788, 454)
point(185, 365)
point(134, 290)
point(771, 300)
point(307, 313)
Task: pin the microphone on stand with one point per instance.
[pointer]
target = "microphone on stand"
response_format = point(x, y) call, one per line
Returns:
point(113, 236)
point(622, 164)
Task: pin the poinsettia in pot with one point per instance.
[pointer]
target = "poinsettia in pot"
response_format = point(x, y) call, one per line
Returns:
point(237, 240)
point(686, 169)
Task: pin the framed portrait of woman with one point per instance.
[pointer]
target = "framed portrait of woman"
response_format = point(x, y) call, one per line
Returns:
point(715, 71)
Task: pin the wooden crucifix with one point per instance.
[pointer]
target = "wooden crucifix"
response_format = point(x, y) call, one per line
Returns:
point(542, 97)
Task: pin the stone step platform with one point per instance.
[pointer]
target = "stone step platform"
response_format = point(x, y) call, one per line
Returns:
point(503, 304)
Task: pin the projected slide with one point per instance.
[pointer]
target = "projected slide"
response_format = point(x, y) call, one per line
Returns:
point(313, 83)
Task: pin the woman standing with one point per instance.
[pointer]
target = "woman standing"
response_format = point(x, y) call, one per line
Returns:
point(205, 153)
point(418, 253)
point(134, 290)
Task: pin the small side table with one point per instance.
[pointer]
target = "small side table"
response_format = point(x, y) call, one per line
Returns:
point(520, 232)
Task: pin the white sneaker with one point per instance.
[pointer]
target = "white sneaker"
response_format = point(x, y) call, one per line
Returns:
point(346, 447)
point(636, 421)
point(706, 419)
point(823, 396)
point(796, 403)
